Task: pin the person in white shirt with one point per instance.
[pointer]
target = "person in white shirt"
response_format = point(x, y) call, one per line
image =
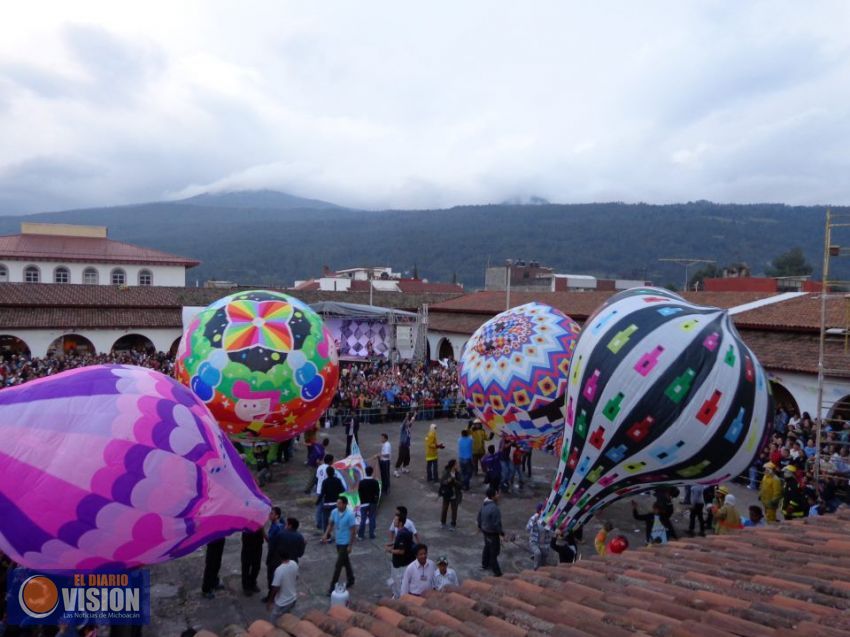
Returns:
point(444, 576)
point(408, 524)
point(384, 463)
point(419, 574)
point(284, 593)
point(321, 474)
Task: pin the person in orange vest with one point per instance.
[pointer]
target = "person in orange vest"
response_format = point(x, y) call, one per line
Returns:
point(727, 517)
point(601, 539)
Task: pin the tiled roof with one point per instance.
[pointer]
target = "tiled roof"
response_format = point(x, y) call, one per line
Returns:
point(61, 248)
point(100, 296)
point(788, 579)
point(798, 352)
point(800, 313)
point(455, 323)
point(75, 318)
point(578, 305)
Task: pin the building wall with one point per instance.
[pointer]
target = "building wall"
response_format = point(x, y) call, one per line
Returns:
point(804, 389)
point(435, 338)
point(39, 341)
point(164, 275)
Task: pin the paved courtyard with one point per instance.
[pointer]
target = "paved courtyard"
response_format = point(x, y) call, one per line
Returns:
point(177, 602)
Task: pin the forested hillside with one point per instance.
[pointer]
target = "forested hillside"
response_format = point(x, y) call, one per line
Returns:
point(266, 243)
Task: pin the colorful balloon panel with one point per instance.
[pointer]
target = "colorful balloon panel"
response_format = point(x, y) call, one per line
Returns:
point(351, 470)
point(513, 373)
point(263, 362)
point(661, 392)
point(116, 466)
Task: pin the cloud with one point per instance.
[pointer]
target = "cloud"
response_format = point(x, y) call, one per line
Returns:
point(386, 105)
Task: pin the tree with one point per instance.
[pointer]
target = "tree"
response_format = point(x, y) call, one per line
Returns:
point(708, 271)
point(791, 263)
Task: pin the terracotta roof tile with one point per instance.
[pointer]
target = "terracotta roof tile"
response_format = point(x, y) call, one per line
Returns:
point(748, 583)
point(61, 248)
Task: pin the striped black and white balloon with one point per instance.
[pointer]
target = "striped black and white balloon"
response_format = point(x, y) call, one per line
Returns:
point(661, 392)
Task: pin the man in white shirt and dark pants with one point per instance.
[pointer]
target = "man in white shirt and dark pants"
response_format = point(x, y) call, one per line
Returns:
point(384, 463)
point(321, 474)
point(419, 574)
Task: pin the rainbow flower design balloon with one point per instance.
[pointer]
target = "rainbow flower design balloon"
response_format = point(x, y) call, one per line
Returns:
point(661, 392)
point(513, 373)
point(263, 362)
point(116, 466)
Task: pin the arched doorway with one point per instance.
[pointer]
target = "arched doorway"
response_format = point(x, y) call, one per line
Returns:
point(445, 350)
point(783, 398)
point(12, 345)
point(840, 410)
point(172, 351)
point(134, 343)
point(71, 345)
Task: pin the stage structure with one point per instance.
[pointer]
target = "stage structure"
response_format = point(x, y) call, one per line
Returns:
point(364, 331)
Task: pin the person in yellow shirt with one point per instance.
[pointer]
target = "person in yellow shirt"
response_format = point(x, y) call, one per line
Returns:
point(727, 516)
point(601, 539)
point(479, 437)
point(770, 491)
point(432, 445)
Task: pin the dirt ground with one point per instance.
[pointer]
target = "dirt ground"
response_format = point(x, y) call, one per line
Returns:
point(176, 586)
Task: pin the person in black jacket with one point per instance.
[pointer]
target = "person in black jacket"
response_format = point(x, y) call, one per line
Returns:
point(290, 541)
point(658, 526)
point(332, 488)
point(370, 493)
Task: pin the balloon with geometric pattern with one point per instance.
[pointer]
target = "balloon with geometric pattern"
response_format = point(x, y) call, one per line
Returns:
point(513, 373)
point(114, 467)
point(263, 362)
point(661, 392)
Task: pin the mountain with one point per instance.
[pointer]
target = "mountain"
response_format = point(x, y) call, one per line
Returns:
point(257, 200)
point(257, 245)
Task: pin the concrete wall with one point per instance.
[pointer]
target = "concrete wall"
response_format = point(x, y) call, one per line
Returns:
point(173, 276)
point(39, 341)
point(804, 389)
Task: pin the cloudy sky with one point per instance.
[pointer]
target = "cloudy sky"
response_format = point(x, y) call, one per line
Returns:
point(401, 104)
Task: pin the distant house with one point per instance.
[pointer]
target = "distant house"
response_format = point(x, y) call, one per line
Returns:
point(72, 254)
point(379, 279)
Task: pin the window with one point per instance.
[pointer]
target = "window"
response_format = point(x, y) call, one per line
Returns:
point(119, 277)
point(90, 276)
point(61, 275)
point(32, 274)
point(4, 274)
point(145, 277)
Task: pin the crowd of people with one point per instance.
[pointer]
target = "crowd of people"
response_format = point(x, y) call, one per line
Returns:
point(377, 390)
point(16, 369)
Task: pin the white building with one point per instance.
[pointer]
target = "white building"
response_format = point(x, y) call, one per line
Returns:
point(63, 253)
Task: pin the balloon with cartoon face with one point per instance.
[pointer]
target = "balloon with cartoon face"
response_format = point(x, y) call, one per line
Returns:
point(115, 466)
point(661, 392)
point(263, 362)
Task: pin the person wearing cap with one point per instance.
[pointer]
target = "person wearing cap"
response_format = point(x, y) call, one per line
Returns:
point(444, 576)
point(770, 492)
point(727, 517)
point(538, 538)
point(794, 506)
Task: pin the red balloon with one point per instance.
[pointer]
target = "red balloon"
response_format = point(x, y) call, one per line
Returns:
point(618, 544)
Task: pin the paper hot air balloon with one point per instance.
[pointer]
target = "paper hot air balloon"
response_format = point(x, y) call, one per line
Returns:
point(513, 373)
point(115, 467)
point(263, 362)
point(661, 392)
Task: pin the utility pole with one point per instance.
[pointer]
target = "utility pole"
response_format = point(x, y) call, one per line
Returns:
point(508, 264)
point(687, 263)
